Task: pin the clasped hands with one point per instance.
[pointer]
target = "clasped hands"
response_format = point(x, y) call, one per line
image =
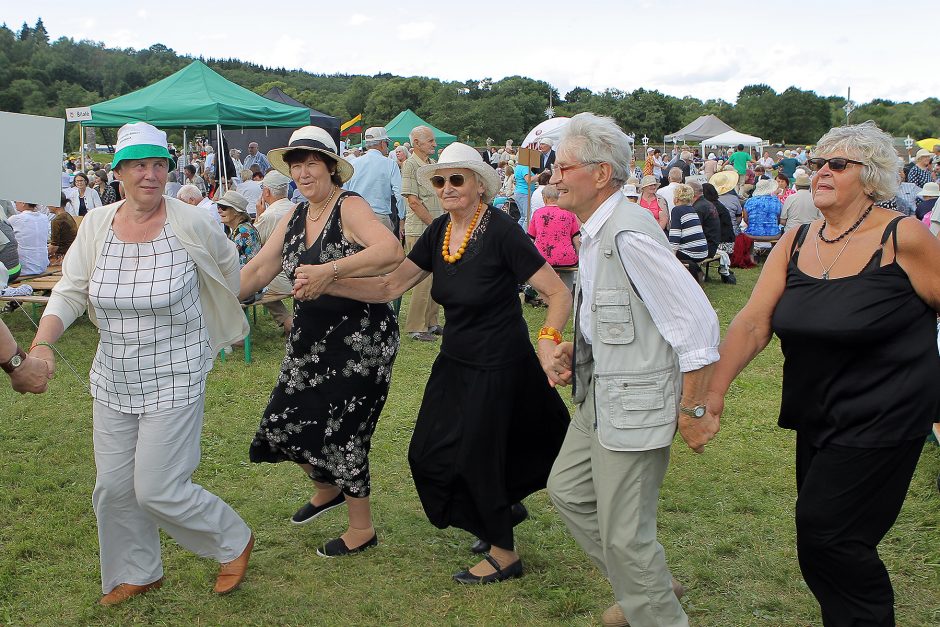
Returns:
point(311, 281)
point(33, 375)
point(697, 432)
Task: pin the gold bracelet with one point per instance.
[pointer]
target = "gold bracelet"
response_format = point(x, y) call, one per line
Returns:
point(335, 272)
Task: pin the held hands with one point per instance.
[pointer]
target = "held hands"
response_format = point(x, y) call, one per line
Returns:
point(311, 281)
point(698, 431)
point(33, 375)
point(556, 361)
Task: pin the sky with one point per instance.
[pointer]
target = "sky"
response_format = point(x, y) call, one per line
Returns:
point(678, 48)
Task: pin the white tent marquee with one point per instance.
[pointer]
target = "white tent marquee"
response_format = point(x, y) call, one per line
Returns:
point(733, 138)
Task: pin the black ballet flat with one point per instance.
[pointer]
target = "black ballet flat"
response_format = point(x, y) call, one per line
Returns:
point(310, 511)
point(512, 571)
point(337, 547)
point(519, 514)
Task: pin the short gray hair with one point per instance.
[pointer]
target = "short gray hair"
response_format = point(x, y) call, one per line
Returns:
point(868, 143)
point(418, 129)
point(675, 175)
point(189, 192)
point(549, 192)
point(597, 139)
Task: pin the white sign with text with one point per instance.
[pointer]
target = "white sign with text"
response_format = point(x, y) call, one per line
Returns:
point(78, 114)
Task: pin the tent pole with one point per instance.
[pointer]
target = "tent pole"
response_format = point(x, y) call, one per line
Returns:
point(220, 159)
point(81, 138)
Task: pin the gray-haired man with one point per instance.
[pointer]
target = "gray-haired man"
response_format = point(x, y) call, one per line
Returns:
point(272, 206)
point(645, 339)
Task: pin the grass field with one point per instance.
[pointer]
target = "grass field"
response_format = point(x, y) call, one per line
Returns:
point(726, 518)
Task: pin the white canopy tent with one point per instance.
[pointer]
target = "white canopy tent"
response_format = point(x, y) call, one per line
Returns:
point(733, 138)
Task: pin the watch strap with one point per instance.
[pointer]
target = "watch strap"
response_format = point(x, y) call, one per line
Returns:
point(8, 366)
point(692, 411)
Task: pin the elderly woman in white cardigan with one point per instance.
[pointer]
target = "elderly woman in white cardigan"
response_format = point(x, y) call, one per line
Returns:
point(159, 280)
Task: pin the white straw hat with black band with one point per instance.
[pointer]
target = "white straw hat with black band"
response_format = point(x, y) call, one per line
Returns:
point(315, 139)
point(461, 156)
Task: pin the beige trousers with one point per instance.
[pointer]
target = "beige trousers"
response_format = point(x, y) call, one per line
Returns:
point(608, 499)
point(423, 312)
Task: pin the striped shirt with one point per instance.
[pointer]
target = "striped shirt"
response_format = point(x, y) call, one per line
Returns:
point(686, 234)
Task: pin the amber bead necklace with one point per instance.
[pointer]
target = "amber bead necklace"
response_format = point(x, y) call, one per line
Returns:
point(445, 250)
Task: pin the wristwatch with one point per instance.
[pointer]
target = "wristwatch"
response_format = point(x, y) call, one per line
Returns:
point(695, 412)
point(15, 362)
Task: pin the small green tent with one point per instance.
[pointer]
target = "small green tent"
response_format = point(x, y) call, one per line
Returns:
point(196, 97)
point(399, 128)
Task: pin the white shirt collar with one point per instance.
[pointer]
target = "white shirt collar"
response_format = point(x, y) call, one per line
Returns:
point(601, 214)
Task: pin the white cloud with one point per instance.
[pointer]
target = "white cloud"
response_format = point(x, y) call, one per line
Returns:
point(143, 13)
point(415, 30)
point(358, 19)
point(286, 51)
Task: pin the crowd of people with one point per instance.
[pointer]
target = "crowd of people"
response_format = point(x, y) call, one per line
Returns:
point(344, 235)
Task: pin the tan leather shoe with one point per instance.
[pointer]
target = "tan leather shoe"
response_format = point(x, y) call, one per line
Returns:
point(124, 591)
point(232, 573)
point(613, 615)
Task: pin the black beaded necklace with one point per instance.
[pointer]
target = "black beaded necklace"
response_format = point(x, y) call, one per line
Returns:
point(847, 231)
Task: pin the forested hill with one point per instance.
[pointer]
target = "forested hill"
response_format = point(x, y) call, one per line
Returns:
point(42, 77)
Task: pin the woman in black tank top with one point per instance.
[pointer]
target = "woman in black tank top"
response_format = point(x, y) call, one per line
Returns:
point(853, 298)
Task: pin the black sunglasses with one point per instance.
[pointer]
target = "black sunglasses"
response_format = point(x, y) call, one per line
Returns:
point(456, 180)
point(836, 164)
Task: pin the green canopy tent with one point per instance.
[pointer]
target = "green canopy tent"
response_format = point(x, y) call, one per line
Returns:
point(402, 124)
point(196, 97)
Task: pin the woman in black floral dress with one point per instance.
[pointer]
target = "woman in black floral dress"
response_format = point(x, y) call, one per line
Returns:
point(335, 376)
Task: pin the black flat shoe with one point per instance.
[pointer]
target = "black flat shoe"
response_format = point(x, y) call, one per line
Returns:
point(519, 513)
point(512, 571)
point(337, 548)
point(310, 511)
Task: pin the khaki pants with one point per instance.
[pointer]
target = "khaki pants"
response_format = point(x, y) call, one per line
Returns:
point(423, 312)
point(281, 314)
point(608, 500)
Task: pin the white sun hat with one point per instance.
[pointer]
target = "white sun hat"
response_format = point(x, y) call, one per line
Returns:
point(461, 156)
point(314, 139)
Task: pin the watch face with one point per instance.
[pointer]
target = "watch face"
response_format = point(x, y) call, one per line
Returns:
point(16, 361)
point(699, 411)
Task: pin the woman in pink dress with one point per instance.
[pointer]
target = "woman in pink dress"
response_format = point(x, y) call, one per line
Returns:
point(653, 202)
point(556, 232)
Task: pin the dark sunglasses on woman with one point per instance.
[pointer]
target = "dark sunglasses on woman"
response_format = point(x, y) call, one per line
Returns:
point(836, 164)
point(456, 180)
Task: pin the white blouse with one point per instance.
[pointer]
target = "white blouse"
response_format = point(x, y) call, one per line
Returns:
point(32, 237)
point(154, 350)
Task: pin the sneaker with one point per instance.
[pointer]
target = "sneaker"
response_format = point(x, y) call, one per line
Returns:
point(729, 278)
point(423, 336)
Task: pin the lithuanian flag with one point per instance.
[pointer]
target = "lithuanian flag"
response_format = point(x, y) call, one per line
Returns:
point(352, 126)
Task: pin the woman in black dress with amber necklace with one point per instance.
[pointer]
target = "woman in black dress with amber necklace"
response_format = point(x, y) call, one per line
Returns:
point(335, 377)
point(490, 424)
point(853, 298)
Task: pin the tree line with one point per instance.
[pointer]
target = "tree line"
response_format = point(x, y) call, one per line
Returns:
point(44, 78)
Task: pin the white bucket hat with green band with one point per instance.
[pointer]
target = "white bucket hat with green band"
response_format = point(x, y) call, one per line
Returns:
point(140, 141)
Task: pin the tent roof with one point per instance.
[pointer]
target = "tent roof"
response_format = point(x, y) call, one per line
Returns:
point(402, 124)
point(701, 128)
point(197, 97)
point(733, 138)
point(277, 95)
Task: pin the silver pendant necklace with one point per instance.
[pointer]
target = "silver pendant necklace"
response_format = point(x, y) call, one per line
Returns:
point(825, 274)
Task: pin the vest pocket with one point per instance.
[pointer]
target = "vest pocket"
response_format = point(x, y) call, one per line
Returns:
point(613, 317)
point(635, 402)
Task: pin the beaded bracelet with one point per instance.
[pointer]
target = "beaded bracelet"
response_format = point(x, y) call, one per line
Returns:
point(550, 333)
point(335, 272)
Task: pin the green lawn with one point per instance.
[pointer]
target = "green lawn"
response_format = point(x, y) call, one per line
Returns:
point(726, 519)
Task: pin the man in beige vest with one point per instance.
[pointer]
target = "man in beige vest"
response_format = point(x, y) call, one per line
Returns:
point(423, 207)
point(271, 207)
point(645, 341)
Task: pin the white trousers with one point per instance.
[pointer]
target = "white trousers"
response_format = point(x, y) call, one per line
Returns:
point(145, 466)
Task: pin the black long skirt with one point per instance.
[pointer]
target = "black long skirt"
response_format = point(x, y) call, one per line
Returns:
point(484, 439)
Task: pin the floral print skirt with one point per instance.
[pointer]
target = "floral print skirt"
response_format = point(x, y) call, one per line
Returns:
point(330, 392)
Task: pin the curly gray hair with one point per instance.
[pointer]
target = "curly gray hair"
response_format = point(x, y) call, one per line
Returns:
point(597, 139)
point(867, 143)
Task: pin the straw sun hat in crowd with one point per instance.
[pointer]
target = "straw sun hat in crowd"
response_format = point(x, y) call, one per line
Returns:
point(724, 181)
